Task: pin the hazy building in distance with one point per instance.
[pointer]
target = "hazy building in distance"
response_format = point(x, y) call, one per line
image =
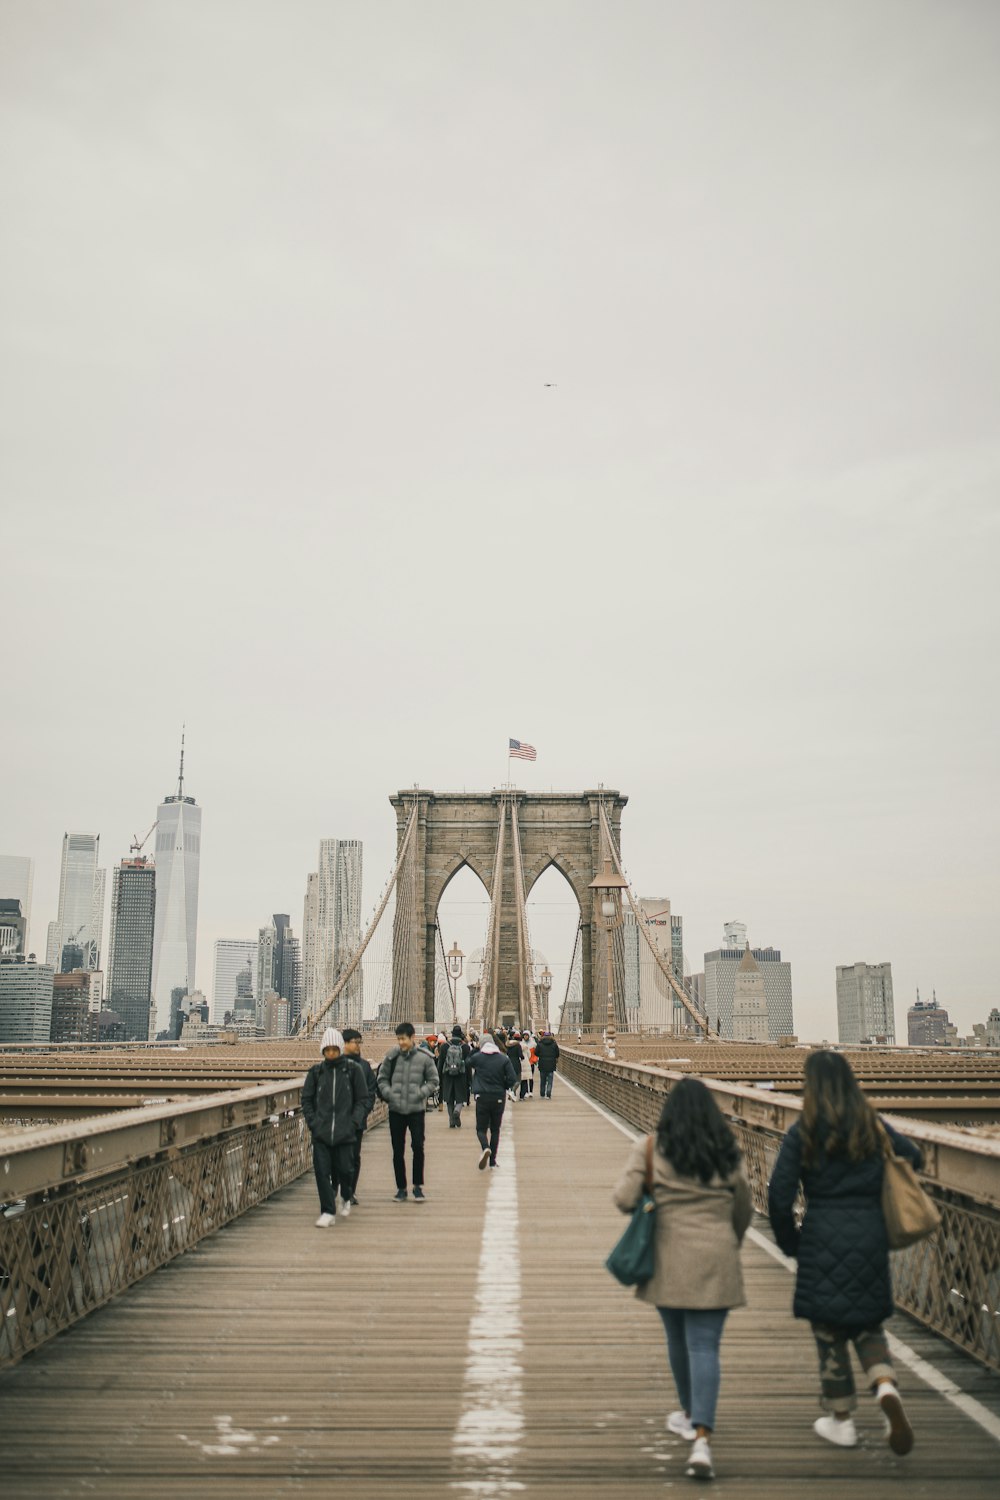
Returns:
point(695, 985)
point(310, 927)
point(133, 921)
point(232, 956)
point(927, 1023)
point(17, 876)
point(647, 991)
point(80, 913)
point(334, 913)
point(750, 1020)
point(25, 999)
point(275, 1015)
point(178, 861)
point(279, 967)
point(720, 985)
point(76, 998)
point(12, 925)
point(864, 1003)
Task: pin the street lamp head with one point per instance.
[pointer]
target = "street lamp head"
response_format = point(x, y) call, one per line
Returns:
point(456, 959)
point(608, 880)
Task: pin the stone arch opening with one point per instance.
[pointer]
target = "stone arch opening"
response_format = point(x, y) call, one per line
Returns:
point(553, 919)
point(462, 915)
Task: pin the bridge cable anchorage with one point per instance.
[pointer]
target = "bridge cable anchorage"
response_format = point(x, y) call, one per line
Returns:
point(317, 1022)
point(526, 967)
point(491, 958)
point(643, 926)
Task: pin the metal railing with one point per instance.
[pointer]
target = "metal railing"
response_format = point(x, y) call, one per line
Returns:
point(89, 1209)
point(950, 1282)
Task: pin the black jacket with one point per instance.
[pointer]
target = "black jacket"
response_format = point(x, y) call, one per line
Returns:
point(516, 1054)
point(455, 1086)
point(492, 1074)
point(548, 1054)
point(334, 1100)
point(368, 1074)
point(843, 1258)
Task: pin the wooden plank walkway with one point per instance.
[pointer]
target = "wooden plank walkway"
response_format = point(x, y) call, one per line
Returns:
point(276, 1359)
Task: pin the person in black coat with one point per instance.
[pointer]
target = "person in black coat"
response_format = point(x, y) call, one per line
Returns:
point(492, 1075)
point(548, 1060)
point(333, 1104)
point(352, 1049)
point(455, 1078)
point(842, 1284)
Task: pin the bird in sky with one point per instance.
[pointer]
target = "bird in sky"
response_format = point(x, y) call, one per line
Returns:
point(550, 385)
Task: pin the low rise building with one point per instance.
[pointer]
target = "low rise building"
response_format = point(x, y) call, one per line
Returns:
point(25, 999)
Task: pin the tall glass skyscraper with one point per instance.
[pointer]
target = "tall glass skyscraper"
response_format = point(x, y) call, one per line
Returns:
point(133, 904)
point(178, 857)
point(80, 918)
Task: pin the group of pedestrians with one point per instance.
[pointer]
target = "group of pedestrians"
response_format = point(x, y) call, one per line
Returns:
point(698, 1183)
point(340, 1092)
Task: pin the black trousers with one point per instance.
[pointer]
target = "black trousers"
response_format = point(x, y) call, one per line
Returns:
point(357, 1162)
point(489, 1116)
point(334, 1168)
point(398, 1126)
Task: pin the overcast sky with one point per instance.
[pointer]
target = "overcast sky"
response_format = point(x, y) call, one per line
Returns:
point(282, 287)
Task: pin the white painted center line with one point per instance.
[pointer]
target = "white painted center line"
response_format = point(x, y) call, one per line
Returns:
point(902, 1353)
point(488, 1435)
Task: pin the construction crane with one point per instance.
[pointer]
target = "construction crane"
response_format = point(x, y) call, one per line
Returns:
point(137, 844)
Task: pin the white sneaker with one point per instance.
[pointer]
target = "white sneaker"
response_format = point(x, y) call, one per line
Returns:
point(898, 1431)
point(345, 1206)
point(699, 1465)
point(680, 1422)
point(841, 1434)
point(326, 1221)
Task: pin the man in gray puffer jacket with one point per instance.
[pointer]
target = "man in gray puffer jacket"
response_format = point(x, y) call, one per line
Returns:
point(406, 1080)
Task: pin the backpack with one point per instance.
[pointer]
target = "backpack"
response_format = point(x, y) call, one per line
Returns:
point(454, 1060)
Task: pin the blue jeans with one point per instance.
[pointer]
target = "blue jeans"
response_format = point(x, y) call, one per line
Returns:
point(546, 1078)
point(693, 1338)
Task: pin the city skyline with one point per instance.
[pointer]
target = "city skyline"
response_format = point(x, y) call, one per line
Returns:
point(965, 1012)
point(639, 405)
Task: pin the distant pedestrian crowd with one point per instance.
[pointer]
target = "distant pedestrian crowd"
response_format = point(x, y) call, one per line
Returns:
point(417, 1074)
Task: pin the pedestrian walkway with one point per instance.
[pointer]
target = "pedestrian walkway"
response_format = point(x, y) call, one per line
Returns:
point(472, 1344)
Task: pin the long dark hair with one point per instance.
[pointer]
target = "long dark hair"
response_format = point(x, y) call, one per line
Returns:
point(836, 1117)
point(693, 1135)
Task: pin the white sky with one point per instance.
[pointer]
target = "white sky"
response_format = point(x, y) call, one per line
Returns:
point(281, 287)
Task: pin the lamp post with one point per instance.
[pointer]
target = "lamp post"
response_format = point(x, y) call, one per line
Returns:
point(456, 958)
point(545, 985)
point(607, 888)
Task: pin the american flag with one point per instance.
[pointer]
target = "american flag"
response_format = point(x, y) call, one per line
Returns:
point(520, 751)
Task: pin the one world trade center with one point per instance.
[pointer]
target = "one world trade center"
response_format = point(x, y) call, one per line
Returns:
point(175, 934)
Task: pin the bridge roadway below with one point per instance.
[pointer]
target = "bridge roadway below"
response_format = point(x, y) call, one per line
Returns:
point(470, 1344)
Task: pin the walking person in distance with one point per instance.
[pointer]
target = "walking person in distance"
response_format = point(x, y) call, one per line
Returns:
point(407, 1078)
point(455, 1076)
point(703, 1208)
point(492, 1075)
point(548, 1060)
point(842, 1283)
point(352, 1050)
point(334, 1105)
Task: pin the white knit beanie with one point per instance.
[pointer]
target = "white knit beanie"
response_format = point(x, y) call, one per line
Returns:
point(331, 1038)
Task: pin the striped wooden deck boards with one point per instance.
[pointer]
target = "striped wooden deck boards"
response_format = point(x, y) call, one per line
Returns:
point(339, 1358)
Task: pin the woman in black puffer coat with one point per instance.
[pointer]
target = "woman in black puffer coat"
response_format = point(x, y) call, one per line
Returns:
point(842, 1284)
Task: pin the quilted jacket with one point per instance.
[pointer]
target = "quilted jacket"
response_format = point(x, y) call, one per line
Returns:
point(843, 1258)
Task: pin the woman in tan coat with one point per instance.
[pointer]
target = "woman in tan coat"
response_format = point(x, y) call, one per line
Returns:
point(703, 1207)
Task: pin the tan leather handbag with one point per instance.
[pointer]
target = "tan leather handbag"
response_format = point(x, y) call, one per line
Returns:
point(909, 1213)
